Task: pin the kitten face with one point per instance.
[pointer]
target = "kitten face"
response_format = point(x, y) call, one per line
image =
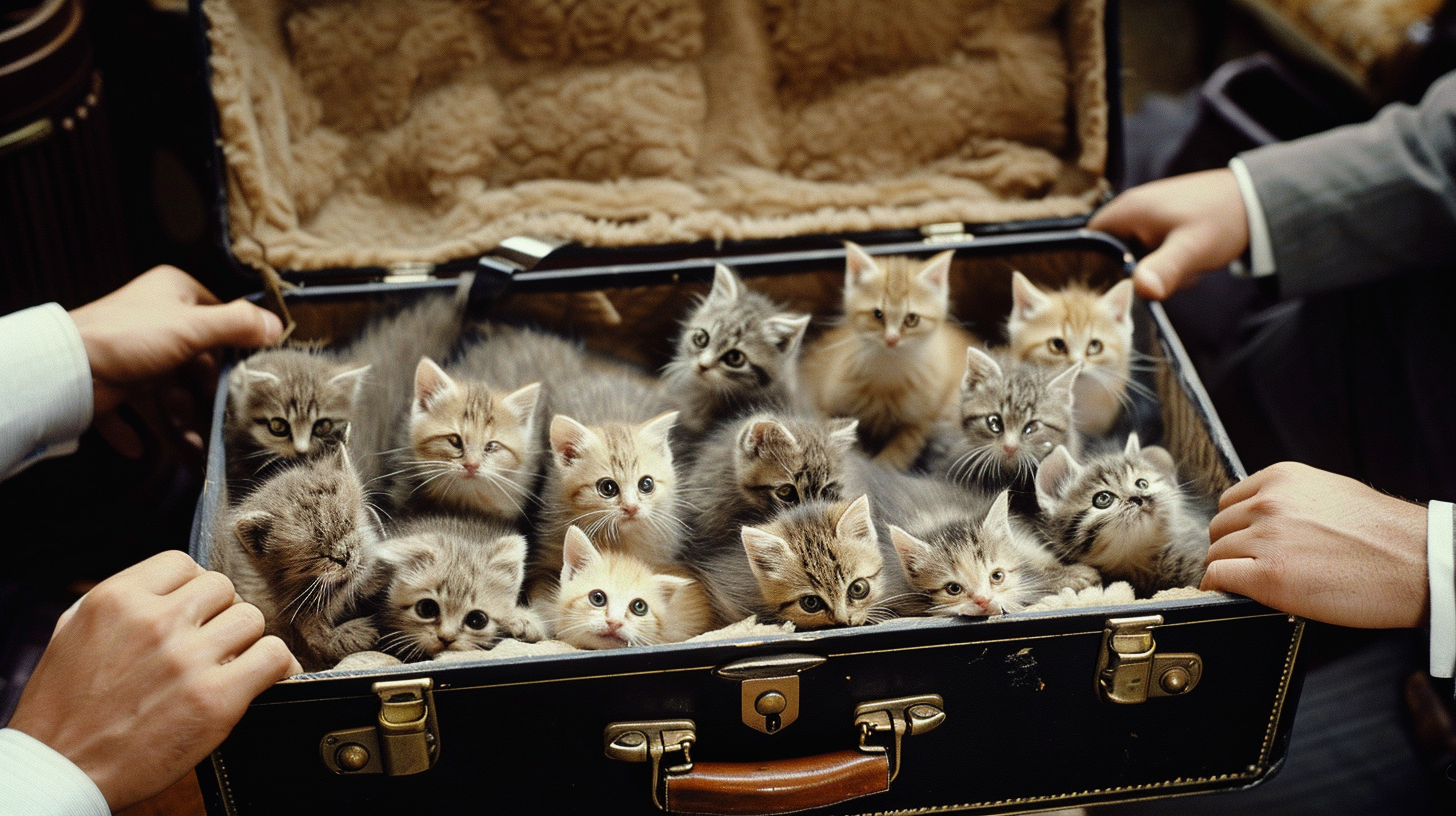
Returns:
point(819, 564)
point(737, 345)
point(472, 447)
point(609, 600)
point(1116, 511)
point(778, 469)
point(454, 584)
point(893, 301)
point(971, 569)
point(1012, 418)
point(617, 481)
point(288, 404)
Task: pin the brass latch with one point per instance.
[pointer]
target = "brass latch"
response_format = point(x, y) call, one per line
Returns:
point(1130, 671)
point(406, 739)
point(649, 742)
point(946, 232)
point(769, 688)
point(902, 717)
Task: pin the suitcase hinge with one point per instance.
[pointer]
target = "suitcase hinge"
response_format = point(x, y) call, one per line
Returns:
point(404, 741)
point(1130, 671)
point(768, 689)
point(945, 233)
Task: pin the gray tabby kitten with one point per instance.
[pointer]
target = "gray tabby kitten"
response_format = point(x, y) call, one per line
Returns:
point(301, 547)
point(976, 562)
point(1125, 515)
point(738, 351)
point(1012, 415)
point(453, 586)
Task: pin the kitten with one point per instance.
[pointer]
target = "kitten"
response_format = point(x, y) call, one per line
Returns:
point(1012, 415)
point(303, 549)
point(1077, 325)
point(973, 563)
point(453, 585)
point(607, 600)
point(895, 361)
point(285, 404)
point(1125, 515)
point(737, 351)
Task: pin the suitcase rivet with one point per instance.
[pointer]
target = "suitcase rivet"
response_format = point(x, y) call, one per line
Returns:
point(1174, 680)
point(771, 702)
point(352, 757)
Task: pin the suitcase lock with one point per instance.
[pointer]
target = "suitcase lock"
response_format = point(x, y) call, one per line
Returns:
point(769, 688)
point(1128, 669)
point(405, 741)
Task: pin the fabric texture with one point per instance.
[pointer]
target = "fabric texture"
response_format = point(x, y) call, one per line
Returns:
point(1440, 535)
point(46, 403)
point(37, 781)
point(381, 132)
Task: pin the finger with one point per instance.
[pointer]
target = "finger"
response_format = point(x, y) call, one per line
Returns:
point(1173, 265)
point(120, 435)
point(238, 323)
point(1238, 575)
point(1230, 521)
point(231, 632)
point(66, 616)
point(187, 288)
point(203, 598)
point(161, 574)
point(259, 666)
point(1242, 490)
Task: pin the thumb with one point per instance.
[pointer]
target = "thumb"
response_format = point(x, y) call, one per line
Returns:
point(238, 323)
point(1171, 266)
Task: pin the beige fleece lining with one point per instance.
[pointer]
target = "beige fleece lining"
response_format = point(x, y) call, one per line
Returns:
point(375, 132)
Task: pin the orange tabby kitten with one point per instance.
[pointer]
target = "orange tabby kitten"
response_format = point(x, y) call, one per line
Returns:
point(895, 363)
point(1072, 325)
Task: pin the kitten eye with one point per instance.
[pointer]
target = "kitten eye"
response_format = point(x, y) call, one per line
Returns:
point(1142, 484)
point(455, 441)
point(427, 609)
point(476, 619)
point(1031, 427)
point(879, 315)
point(734, 358)
point(638, 607)
point(811, 604)
point(953, 588)
point(597, 598)
point(607, 488)
point(998, 576)
point(859, 589)
point(278, 426)
point(1094, 347)
point(492, 446)
point(646, 485)
point(912, 320)
point(994, 423)
point(1057, 345)
point(1102, 500)
point(700, 338)
point(323, 427)
point(787, 493)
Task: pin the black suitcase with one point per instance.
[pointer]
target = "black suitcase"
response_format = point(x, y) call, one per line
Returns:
point(1037, 710)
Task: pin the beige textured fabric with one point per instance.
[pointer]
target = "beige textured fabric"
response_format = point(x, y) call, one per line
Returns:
point(374, 132)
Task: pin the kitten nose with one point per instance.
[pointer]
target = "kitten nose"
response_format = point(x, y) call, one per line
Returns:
point(892, 340)
point(1010, 449)
point(613, 625)
point(471, 468)
point(629, 510)
point(1138, 500)
point(702, 368)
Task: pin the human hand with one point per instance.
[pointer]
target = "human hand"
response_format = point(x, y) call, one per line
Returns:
point(152, 338)
point(1321, 546)
point(148, 674)
point(1193, 224)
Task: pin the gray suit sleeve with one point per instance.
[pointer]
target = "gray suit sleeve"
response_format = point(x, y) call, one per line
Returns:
point(1363, 202)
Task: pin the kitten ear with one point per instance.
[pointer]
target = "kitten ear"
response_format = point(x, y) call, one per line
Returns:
point(1161, 459)
point(913, 552)
point(670, 585)
point(1064, 384)
point(577, 553)
point(509, 558)
point(1133, 445)
point(1056, 473)
point(845, 434)
point(1026, 299)
point(855, 523)
point(655, 430)
point(1118, 302)
point(352, 377)
point(726, 286)
point(522, 402)
point(765, 434)
point(769, 556)
point(785, 331)
point(570, 440)
point(431, 382)
point(998, 518)
point(936, 273)
point(252, 530)
point(980, 367)
point(859, 267)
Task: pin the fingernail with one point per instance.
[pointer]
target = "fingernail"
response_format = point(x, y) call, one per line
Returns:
point(272, 326)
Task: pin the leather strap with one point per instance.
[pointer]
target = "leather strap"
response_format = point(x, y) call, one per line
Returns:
point(783, 786)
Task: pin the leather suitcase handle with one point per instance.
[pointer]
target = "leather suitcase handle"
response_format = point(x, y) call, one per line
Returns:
point(783, 786)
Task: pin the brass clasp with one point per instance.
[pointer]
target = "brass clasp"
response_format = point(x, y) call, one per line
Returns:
point(650, 741)
point(405, 739)
point(1130, 671)
point(769, 688)
point(900, 717)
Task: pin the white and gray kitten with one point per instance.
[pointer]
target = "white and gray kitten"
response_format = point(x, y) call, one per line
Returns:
point(737, 352)
point(1124, 514)
point(453, 585)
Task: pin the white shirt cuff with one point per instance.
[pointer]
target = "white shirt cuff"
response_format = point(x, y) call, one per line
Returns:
point(37, 781)
point(46, 402)
point(1439, 558)
point(1261, 252)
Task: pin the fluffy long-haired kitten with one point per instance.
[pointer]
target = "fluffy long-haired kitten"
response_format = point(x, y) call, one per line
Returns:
point(286, 404)
point(1124, 514)
point(894, 363)
point(1012, 415)
point(1077, 325)
point(306, 544)
point(453, 586)
point(737, 351)
point(607, 600)
point(973, 564)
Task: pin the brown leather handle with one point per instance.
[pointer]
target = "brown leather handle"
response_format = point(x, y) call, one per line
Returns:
point(783, 786)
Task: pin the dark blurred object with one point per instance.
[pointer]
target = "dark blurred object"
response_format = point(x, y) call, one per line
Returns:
point(1433, 57)
point(1434, 718)
point(62, 230)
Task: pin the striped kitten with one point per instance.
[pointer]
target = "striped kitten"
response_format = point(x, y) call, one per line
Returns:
point(1125, 515)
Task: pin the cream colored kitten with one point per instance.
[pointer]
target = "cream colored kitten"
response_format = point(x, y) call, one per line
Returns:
point(1072, 325)
point(895, 362)
point(607, 600)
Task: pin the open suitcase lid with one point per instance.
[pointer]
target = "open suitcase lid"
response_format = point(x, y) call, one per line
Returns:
point(374, 140)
